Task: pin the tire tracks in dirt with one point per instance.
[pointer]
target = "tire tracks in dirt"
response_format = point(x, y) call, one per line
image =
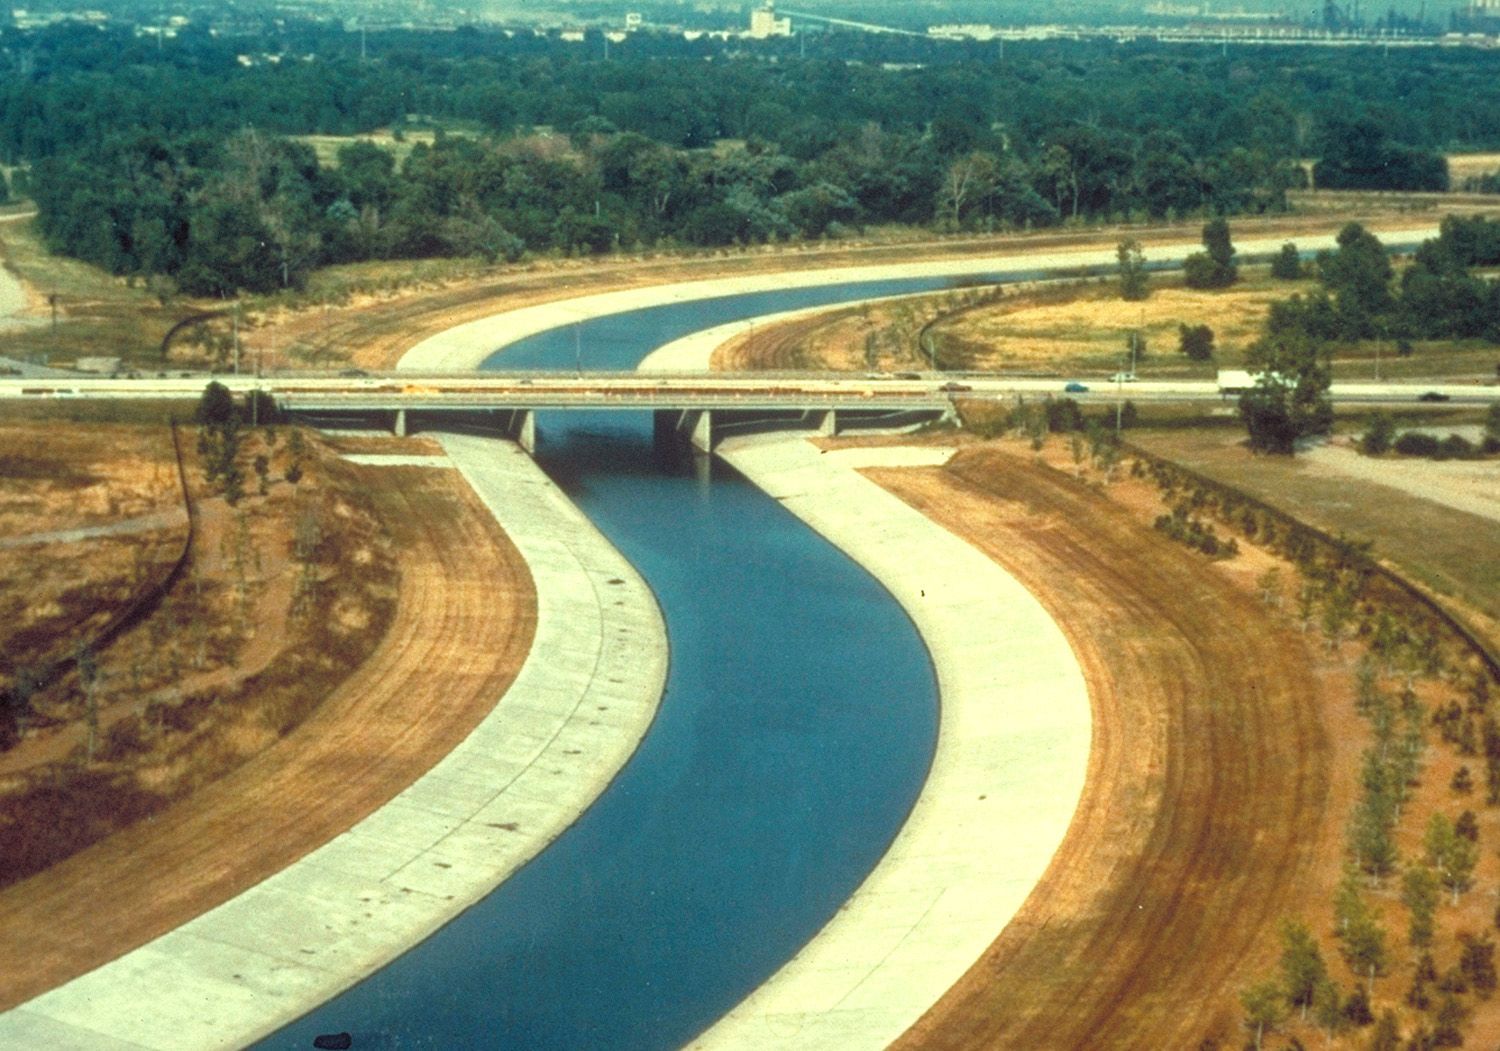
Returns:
point(1207, 796)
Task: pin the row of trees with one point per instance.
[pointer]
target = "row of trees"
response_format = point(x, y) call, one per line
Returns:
point(1337, 590)
point(257, 212)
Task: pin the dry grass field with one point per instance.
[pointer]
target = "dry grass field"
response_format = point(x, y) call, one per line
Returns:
point(55, 587)
point(1085, 330)
point(1456, 555)
point(96, 315)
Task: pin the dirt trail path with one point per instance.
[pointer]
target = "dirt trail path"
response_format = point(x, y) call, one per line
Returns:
point(142, 524)
point(1208, 789)
point(463, 626)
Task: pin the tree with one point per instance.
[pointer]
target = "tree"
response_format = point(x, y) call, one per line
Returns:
point(1214, 267)
point(1290, 398)
point(1135, 280)
point(1419, 893)
point(1358, 155)
point(1387, 1035)
point(1358, 275)
point(1327, 1007)
point(1364, 948)
point(1379, 435)
point(1302, 967)
point(216, 406)
point(1451, 855)
point(1447, 1028)
point(1265, 1007)
point(1477, 961)
point(1196, 341)
point(969, 178)
point(1372, 827)
point(263, 473)
point(1287, 266)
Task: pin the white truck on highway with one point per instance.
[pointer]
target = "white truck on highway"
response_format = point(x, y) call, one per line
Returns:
point(1238, 381)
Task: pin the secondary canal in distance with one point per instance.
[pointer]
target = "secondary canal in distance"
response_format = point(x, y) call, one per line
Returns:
point(799, 721)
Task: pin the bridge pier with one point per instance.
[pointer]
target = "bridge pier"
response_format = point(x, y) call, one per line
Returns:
point(828, 424)
point(399, 426)
point(525, 430)
point(696, 426)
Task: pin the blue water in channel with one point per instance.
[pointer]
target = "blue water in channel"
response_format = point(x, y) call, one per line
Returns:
point(798, 725)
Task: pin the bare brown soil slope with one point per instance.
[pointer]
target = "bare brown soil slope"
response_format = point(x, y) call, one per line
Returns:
point(463, 625)
point(1208, 794)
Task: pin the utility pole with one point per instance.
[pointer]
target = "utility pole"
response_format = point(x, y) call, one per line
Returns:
point(1119, 403)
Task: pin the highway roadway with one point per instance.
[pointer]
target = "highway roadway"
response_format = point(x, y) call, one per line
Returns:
point(719, 390)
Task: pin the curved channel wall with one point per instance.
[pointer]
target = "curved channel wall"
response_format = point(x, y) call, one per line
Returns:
point(588, 691)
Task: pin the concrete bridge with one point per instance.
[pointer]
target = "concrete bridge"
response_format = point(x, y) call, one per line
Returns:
point(689, 406)
point(688, 410)
point(685, 407)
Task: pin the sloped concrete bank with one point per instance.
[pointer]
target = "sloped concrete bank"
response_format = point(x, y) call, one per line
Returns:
point(1009, 769)
point(550, 747)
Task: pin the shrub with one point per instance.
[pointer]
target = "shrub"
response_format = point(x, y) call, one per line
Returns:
point(1196, 341)
point(1415, 443)
point(1377, 439)
point(1455, 447)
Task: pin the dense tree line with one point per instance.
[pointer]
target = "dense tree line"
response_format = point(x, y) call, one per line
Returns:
point(67, 86)
point(206, 189)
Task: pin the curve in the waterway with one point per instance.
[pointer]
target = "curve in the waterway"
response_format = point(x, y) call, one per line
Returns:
point(468, 346)
point(1012, 753)
point(582, 701)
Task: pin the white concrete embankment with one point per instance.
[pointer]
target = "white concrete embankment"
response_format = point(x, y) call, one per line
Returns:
point(467, 346)
point(1012, 750)
point(550, 747)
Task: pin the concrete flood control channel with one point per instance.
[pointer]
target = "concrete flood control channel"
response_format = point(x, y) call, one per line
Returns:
point(424, 1001)
point(796, 729)
point(582, 949)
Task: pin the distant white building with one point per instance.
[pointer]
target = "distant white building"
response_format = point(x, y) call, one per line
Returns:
point(764, 23)
point(633, 21)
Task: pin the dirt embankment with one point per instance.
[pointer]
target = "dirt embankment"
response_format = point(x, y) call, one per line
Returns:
point(322, 699)
point(1213, 786)
point(121, 484)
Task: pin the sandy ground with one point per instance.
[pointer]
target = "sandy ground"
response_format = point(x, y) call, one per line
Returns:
point(1162, 899)
point(1467, 485)
point(462, 628)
